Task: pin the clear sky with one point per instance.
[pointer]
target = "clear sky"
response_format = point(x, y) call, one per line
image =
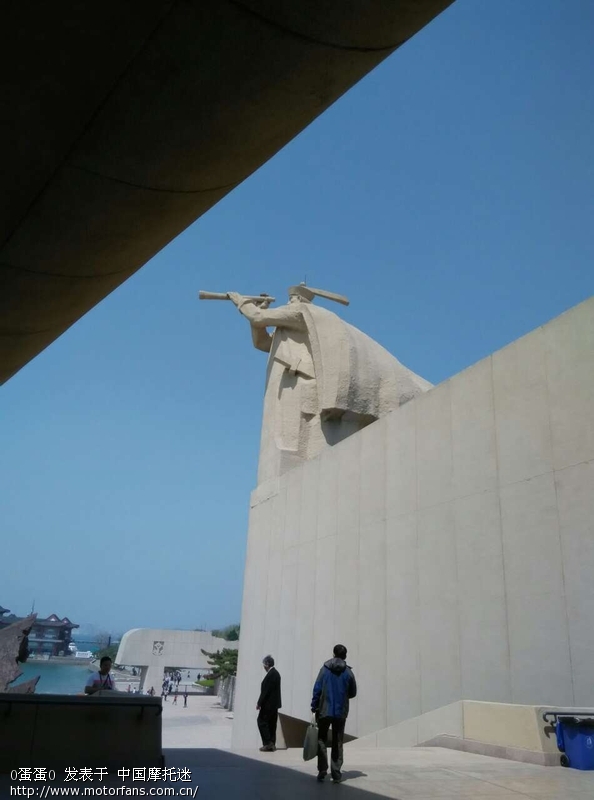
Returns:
point(450, 195)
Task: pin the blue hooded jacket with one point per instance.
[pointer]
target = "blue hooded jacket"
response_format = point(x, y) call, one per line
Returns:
point(334, 687)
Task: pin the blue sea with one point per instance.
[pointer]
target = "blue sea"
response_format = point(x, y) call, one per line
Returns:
point(55, 678)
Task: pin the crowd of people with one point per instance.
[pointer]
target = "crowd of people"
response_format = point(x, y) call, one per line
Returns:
point(104, 680)
point(170, 686)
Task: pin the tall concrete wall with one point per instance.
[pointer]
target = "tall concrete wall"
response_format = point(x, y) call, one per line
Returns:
point(449, 546)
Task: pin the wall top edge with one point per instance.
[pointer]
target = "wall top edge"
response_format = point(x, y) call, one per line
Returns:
point(265, 491)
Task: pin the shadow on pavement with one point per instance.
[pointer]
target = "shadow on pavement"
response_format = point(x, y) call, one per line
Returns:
point(223, 774)
point(348, 775)
point(219, 774)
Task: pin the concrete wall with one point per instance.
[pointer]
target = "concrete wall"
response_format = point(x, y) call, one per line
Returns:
point(449, 546)
point(57, 731)
point(509, 725)
point(503, 730)
point(157, 649)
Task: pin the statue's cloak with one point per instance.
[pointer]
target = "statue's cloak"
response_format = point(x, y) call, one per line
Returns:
point(353, 372)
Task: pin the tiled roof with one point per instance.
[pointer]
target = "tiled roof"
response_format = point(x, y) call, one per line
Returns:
point(49, 622)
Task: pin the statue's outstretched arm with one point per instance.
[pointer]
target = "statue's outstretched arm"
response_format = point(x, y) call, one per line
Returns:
point(284, 317)
point(261, 317)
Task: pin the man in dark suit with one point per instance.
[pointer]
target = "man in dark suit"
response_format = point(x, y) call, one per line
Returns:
point(268, 705)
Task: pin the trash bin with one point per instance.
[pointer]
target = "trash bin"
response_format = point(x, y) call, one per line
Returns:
point(575, 739)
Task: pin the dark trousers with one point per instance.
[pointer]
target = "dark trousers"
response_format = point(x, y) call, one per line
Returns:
point(267, 719)
point(324, 724)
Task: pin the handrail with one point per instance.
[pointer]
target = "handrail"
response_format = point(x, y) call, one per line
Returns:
point(9, 699)
point(553, 716)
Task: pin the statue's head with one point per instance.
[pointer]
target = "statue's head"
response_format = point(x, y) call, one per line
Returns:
point(300, 294)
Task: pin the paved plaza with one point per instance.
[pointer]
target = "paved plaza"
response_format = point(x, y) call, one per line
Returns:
point(199, 737)
point(202, 724)
point(403, 774)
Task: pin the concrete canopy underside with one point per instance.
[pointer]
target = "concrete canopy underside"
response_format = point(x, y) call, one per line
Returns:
point(126, 120)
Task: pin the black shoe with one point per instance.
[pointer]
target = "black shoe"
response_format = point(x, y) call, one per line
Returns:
point(337, 779)
point(321, 776)
point(268, 748)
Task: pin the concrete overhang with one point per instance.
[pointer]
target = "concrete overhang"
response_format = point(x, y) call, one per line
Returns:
point(125, 120)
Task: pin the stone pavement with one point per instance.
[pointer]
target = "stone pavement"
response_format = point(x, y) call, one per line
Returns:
point(202, 724)
point(403, 774)
point(200, 740)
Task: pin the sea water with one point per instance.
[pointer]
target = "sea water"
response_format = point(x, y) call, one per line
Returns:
point(55, 678)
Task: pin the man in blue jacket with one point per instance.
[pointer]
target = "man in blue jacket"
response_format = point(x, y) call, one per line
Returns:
point(334, 687)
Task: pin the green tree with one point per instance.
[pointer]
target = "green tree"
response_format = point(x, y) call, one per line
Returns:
point(110, 651)
point(230, 633)
point(223, 663)
point(103, 641)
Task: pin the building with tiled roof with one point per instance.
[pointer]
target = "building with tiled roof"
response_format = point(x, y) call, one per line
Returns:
point(49, 636)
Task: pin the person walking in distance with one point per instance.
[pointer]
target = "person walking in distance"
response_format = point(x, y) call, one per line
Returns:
point(186, 697)
point(334, 687)
point(268, 705)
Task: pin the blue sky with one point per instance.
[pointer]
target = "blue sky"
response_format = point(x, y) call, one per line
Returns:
point(450, 195)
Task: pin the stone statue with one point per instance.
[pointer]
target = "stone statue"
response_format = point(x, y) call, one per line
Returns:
point(325, 379)
point(14, 650)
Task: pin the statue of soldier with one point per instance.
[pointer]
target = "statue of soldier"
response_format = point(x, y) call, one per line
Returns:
point(325, 378)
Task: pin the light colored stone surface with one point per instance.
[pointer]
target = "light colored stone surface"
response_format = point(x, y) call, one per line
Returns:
point(305, 612)
point(448, 719)
point(325, 570)
point(503, 724)
point(521, 409)
point(435, 473)
point(369, 773)
point(403, 657)
point(575, 493)
point(439, 627)
point(514, 727)
point(156, 649)
point(535, 597)
point(461, 561)
point(325, 381)
point(203, 723)
point(569, 342)
point(484, 644)
point(399, 773)
point(371, 635)
point(401, 461)
point(474, 451)
point(347, 562)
